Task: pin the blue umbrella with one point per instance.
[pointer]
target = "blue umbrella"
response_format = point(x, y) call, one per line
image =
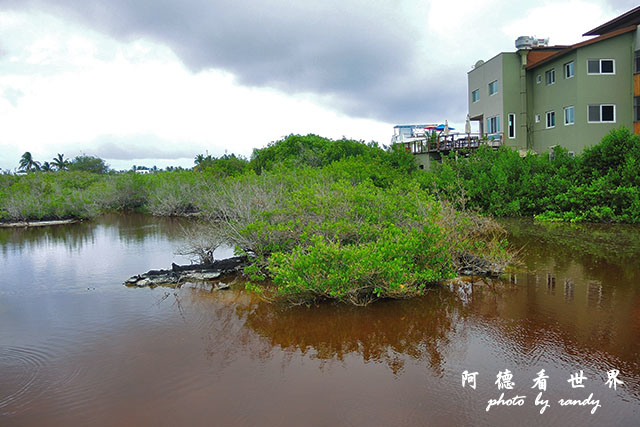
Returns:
point(441, 127)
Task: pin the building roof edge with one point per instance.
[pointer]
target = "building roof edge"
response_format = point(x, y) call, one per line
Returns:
point(573, 47)
point(628, 18)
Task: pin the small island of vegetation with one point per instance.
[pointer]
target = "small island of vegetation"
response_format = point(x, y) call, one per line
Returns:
point(322, 219)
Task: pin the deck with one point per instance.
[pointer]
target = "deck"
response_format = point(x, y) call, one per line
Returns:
point(446, 143)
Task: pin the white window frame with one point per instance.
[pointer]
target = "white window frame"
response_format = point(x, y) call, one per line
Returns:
point(496, 86)
point(573, 109)
point(490, 129)
point(511, 125)
point(602, 105)
point(550, 73)
point(600, 73)
point(547, 115)
point(537, 118)
point(539, 79)
point(475, 94)
point(573, 69)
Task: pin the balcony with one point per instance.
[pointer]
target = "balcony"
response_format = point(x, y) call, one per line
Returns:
point(440, 143)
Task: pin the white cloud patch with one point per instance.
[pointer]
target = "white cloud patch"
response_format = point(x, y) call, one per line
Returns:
point(564, 22)
point(12, 95)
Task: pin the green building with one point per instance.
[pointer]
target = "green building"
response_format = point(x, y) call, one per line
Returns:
point(541, 96)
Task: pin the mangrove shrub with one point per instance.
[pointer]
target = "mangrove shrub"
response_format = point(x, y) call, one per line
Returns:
point(600, 185)
point(313, 235)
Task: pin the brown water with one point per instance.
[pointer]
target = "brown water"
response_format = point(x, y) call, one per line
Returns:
point(78, 348)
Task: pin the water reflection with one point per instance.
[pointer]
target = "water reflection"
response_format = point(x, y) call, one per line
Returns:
point(605, 250)
point(495, 326)
point(526, 321)
point(74, 356)
point(131, 228)
point(91, 255)
point(72, 236)
point(379, 333)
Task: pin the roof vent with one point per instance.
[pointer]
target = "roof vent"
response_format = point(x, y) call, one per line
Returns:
point(479, 63)
point(526, 42)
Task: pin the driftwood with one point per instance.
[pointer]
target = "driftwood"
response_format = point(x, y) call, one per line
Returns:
point(184, 273)
point(471, 265)
point(21, 224)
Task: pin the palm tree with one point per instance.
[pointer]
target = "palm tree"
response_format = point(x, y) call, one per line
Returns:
point(60, 162)
point(46, 167)
point(199, 160)
point(27, 163)
point(203, 161)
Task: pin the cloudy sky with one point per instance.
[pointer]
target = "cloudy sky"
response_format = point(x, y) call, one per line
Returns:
point(155, 82)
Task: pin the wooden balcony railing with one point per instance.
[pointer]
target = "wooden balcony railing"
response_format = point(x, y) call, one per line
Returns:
point(452, 142)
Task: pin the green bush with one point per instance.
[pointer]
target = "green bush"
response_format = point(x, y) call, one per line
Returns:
point(47, 195)
point(173, 193)
point(315, 151)
point(316, 236)
point(600, 185)
point(86, 163)
point(223, 166)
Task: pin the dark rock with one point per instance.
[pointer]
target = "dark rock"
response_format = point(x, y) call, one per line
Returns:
point(469, 265)
point(182, 273)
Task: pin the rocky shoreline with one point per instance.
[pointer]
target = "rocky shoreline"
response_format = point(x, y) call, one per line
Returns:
point(468, 265)
point(184, 273)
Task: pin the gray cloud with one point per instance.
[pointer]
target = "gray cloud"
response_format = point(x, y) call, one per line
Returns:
point(357, 54)
point(134, 147)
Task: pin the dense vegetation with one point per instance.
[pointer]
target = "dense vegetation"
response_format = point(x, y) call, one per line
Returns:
point(85, 186)
point(345, 220)
point(600, 185)
point(328, 233)
point(320, 219)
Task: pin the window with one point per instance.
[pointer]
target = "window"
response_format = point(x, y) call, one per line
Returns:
point(606, 66)
point(537, 118)
point(475, 95)
point(493, 124)
point(550, 76)
point(493, 87)
point(603, 113)
point(569, 70)
point(551, 119)
point(539, 79)
point(637, 61)
point(512, 125)
point(601, 66)
point(636, 108)
point(569, 115)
